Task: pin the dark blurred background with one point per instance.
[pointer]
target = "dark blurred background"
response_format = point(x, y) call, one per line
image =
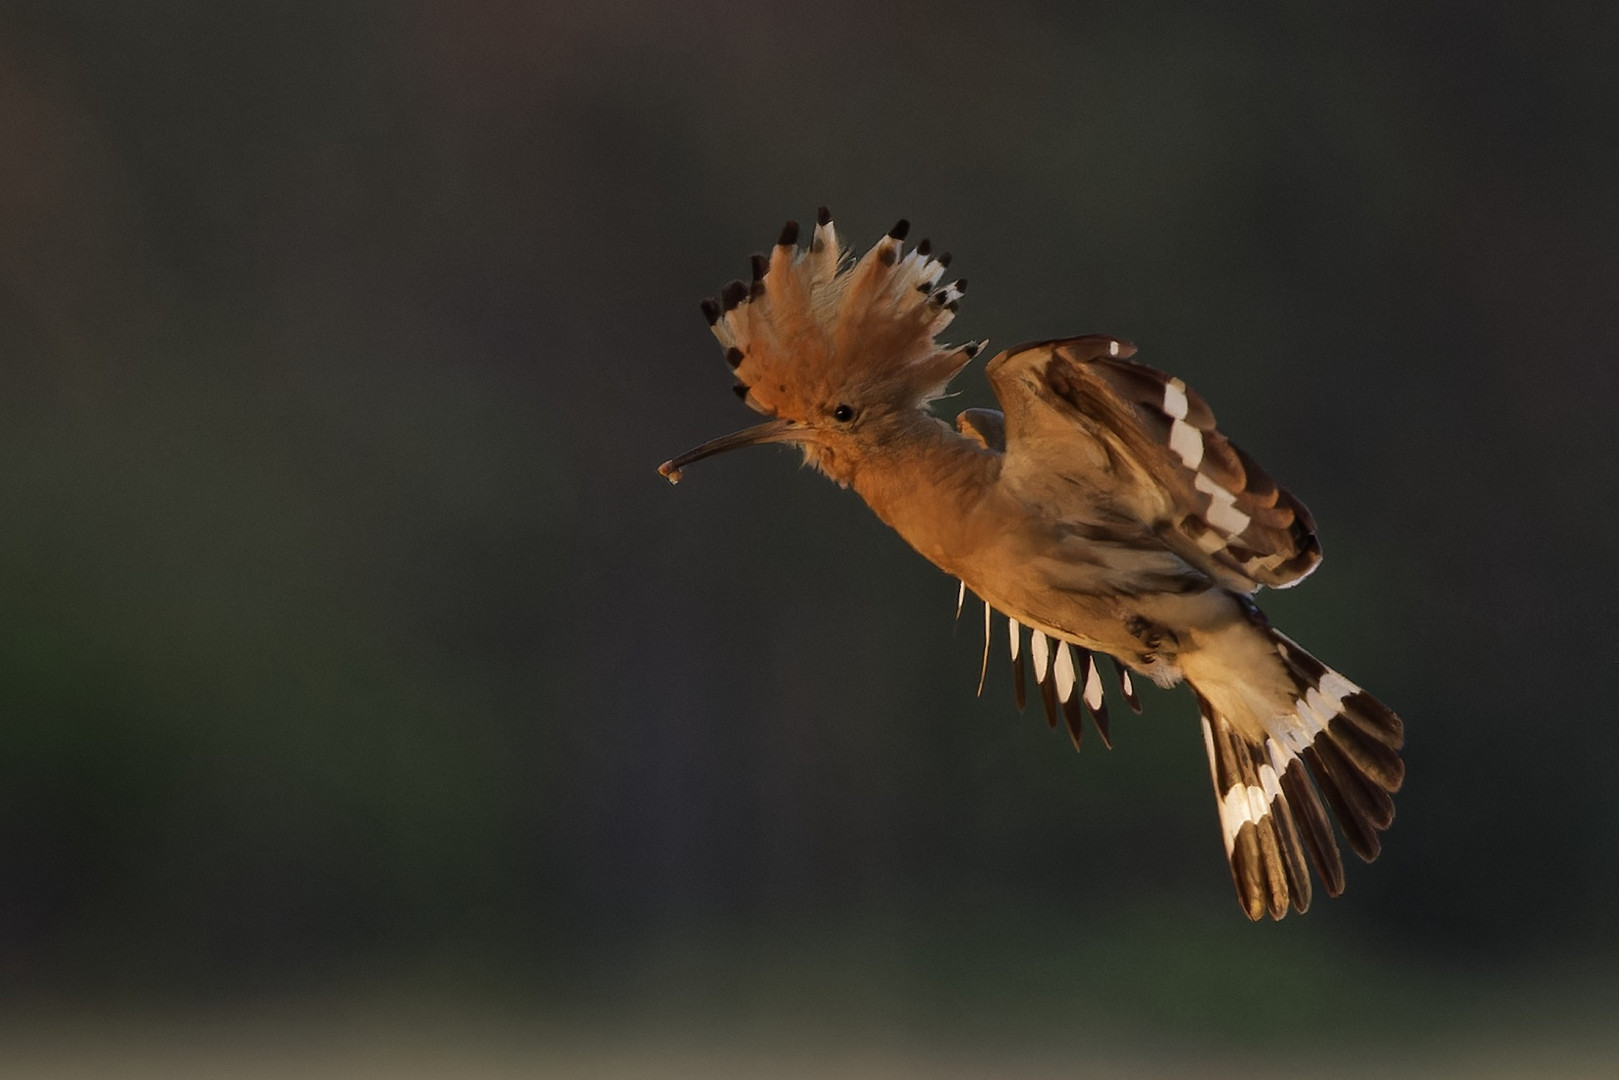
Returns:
point(368, 702)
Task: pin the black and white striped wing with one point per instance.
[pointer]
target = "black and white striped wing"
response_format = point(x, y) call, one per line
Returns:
point(1084, 422)
point(1069, 680)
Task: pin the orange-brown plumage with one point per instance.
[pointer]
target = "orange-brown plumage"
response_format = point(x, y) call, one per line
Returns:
point(1102, 510)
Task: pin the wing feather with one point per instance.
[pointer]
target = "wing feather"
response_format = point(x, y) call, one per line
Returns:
point(1145, 445)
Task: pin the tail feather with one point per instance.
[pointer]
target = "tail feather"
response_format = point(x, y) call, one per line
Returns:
point(1287, 837)
point(1356, 825)
point(1338, 695)
point(1271, 773)
point(1270, 848)
point(1368, 799)
point(1377, 761)
point(1292, 747)
point(1318, 838)
point(1251, 802)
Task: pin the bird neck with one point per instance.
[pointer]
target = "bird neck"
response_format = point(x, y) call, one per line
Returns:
point(924, 482)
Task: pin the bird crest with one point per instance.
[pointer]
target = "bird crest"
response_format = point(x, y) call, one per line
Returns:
point(817, 327)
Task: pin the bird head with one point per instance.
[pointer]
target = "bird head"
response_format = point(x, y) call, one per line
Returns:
point(841, 353)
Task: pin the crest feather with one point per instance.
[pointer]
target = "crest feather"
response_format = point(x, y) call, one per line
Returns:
point(813, 324)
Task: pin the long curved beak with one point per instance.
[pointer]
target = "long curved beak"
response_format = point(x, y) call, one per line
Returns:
point(773, 431)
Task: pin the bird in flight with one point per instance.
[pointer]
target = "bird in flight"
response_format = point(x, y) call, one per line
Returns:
point(1101, 509)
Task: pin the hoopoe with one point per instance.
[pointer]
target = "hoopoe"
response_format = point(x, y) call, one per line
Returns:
point(1102, 510)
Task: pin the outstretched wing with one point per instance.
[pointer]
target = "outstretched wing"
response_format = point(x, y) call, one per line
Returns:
point(1086, 425)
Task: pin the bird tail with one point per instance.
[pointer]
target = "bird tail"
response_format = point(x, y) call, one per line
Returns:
point(1283, 732)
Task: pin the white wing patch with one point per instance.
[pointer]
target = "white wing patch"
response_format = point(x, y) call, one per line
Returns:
point(1039, 651)
point(1175, 399)
point(1223, 513)
point(1187, 442)
point(1064, 672)
point(1093, 684)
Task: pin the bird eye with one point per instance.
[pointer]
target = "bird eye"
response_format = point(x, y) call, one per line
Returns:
point(843, 414)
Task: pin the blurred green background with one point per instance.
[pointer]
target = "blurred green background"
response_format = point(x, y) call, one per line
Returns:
point(369, 705)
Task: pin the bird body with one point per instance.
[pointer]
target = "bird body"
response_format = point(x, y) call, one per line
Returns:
point(1102, 509)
